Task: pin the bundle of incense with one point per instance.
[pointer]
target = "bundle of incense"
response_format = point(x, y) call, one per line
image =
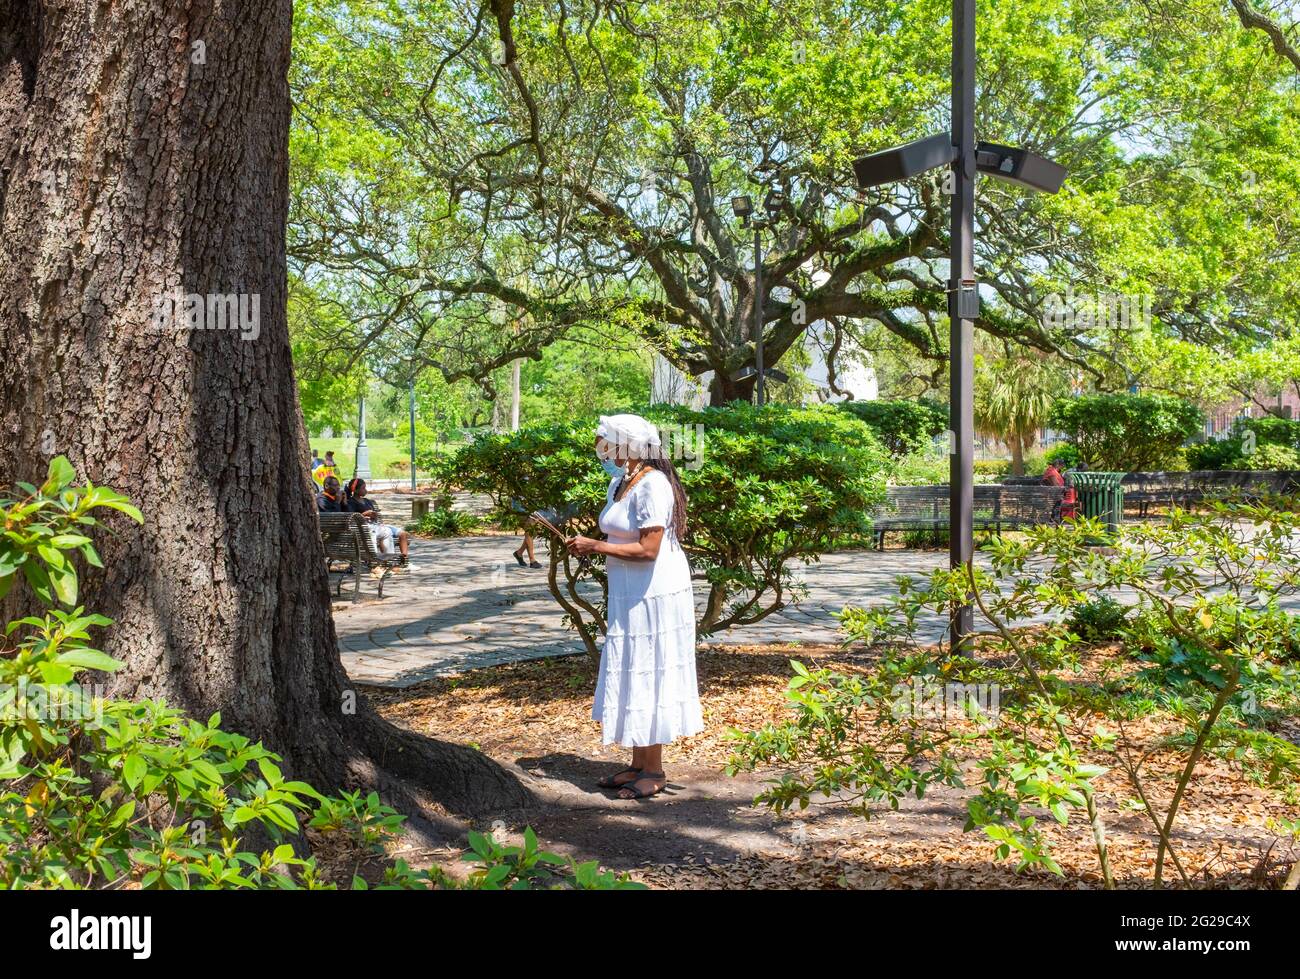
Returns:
point(584, 562)
point(548, 525)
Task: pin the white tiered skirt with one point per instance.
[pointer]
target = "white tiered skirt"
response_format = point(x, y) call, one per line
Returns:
point(647, 692)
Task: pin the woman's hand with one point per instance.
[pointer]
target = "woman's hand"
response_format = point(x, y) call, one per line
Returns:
point(581, 545)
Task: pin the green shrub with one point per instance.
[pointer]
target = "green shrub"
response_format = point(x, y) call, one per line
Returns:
point(1220, 662)
point(526, 867)
point(770, 489)
point(1214, 454)
point(445, 522)
point(927, 468)
point(99, 793)
point(1270, 456)
point(903, 427)
point(925, 538)
point(993, 467)
point(1254, 443)
point(1063, 455)
point(1099, 619)
point(1126, 432)
point(1271, 430)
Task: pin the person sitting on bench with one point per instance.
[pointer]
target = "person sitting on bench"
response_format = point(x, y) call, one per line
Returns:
point(384, 534)
point(329, 499)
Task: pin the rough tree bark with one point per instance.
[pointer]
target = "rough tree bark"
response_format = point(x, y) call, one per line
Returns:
point(143, 151)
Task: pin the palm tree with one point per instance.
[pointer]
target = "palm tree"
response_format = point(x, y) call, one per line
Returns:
point(1014, 395)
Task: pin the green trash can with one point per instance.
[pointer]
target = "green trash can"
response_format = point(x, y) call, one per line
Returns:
point(1101, 495)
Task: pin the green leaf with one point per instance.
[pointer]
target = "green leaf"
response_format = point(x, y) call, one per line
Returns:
point(64, 581)
point(39, 580)
point(10, 757)
point(91, 555)
point(133, 770)
point(68, 541)
point(90, 659)
point(60, 475)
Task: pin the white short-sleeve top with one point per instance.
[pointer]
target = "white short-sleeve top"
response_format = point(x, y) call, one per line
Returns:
point(649, 503)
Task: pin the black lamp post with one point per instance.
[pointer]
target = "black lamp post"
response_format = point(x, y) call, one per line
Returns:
point(743, 208)
point(411, 404)
point(959, 150)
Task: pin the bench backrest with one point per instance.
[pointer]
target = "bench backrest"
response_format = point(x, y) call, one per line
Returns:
point(1213, 481)
point(347, 538)
point(993, 501)
point(1199, 482)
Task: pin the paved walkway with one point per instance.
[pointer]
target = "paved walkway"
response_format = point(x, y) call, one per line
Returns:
point(468, 604)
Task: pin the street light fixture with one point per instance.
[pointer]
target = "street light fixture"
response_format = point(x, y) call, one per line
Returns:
point(959, 150)
point(901, 162)
point(743, 207)
point(1019, 166)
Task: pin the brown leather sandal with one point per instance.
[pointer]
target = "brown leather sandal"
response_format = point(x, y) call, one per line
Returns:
point(608, 781)
point(637, 793)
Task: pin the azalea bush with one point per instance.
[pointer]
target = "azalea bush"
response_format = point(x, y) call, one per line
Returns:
point(1127, 432)
point(903, 427)
point(770, 489)
point(1253, 443)
point(105, 793)
point(1205, 642)
point(444, 521)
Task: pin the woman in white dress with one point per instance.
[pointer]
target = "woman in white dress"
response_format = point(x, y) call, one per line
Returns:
point(646, 694)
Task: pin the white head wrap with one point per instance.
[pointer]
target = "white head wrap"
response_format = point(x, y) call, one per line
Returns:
point(633, 434)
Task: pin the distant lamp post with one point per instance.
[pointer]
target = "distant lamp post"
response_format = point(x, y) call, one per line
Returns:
point(411, 394)
point(959, 150)
point(743, 207)
point(362, 468)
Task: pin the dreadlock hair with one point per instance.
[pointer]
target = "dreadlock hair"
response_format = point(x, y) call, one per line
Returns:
point(656, 458)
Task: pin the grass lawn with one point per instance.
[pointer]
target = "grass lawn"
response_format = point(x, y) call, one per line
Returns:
point(382, 453)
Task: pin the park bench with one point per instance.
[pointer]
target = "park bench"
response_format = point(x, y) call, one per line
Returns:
point(1147, 489)
point(997, 507)
point(347, 539)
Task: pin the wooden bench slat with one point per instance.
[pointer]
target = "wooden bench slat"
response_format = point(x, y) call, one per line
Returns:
point(996, 506)
point(346, 538)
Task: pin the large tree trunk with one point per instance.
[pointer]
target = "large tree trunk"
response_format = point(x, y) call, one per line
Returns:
point(723, 390)
point(143, 151)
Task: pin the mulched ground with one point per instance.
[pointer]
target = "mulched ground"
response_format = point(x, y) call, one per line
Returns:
point(704, 831)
